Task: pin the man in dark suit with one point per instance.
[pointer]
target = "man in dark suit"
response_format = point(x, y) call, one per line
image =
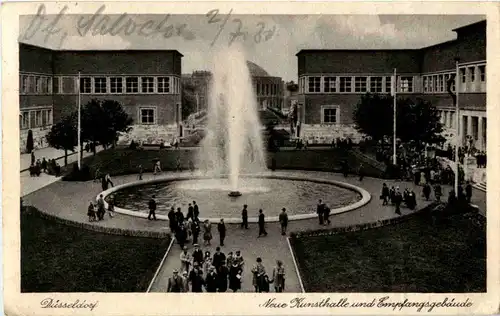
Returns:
point(175, 283)
point(262, 222)
point(283, 221)
point(320, 210)
point(218, 259)
point(190, 213)
point(152, 208)
point(196, 210)
point(244, 217)
point(221, 227)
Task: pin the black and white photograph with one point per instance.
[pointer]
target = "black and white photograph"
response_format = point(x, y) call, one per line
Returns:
point(230, 152)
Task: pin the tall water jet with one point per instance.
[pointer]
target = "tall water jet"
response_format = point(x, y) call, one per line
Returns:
point(233, 143)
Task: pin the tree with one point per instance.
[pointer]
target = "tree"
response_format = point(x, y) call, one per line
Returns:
point(292, 86)
point(416, 120)
point(103, 120)
point(29, 142)
point(63, 135)
point(189, 101)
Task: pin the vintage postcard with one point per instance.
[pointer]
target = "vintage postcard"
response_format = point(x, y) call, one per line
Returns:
point(250, 158)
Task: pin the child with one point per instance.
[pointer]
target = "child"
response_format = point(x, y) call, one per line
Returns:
point(139, 177)
point(91, 213)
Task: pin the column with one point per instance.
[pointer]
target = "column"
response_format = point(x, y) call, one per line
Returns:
point(442, 117)
point(469, 125)
point(480, 133)
point(461, 129)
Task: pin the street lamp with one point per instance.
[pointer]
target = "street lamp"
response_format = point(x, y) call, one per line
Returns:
point(457, 132)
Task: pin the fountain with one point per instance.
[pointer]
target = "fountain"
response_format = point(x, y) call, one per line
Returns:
point(233, 143)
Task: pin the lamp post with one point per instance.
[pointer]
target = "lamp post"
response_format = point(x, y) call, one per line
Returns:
point(394, 91)
point(457, 133)
point(79, 130)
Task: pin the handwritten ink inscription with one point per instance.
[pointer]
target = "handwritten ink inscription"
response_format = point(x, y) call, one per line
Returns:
point(103, 24)
point(261, 33)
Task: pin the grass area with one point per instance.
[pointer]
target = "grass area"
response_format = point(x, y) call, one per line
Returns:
point(120, 161)
point(60, 258)
point(413, 256)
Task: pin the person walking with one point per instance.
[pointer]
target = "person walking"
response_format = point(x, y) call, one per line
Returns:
point(326, 214)
point(196, 279)
point(222, 277)
point(111, 208)
point(283, 218)
point(238, 258)
point(172, 220)
point(207, 233)
point(185, 259)
point(211, 280)
point(91, 212)
point(262, 223)
point(185, 282)
point(235, 276)
point(221, 227)
point(190, 213)
point(258, 272)
point(398, 198)
point(152, 208)
point(361, 172)
point(175, 283)
point(218, 259)
point(279, 277)
point(179, 216)
point(197, 255)
point(100, 208)
point(426, 191)
point(385, 194)
point(319, 211)
point(139, 176)
point(244, 217)
point(196, 210)
point(195, 230)
point(108, 180)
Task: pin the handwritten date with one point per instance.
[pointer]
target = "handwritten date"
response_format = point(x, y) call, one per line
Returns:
point(260, 33)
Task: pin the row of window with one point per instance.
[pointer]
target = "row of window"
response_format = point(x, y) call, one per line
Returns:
point(34, 84)
point(267, 89)
point(35, 118)
point(353, 84)
point(472, 79)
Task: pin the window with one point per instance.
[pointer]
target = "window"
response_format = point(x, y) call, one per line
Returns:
point(376, 84)
point(148, 84)
point(25, 120)
point(100, 85)
point(345, 84)
point(38, 118)
point(440, 83)
point(25, 84)
point(48, 117)
point(38, 84)
point(388, 84)
point(360, 84)
point(163, 84)
point(314, 84)
point(426, 83)
point(132, 84)
point(472, 74)
point(68, 84)
point(116, 84)
point(453, 83)
point(147, 115)
point(482, 73)
point(431, 83)
point(463, 75)
point(329, 116)
point(266, 89)
point(330, 84)
point(85, 85)
point(31, 84)
point(435, 83)
point(44, 85)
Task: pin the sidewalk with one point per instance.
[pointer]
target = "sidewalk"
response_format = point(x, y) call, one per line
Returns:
point(31, 184)
point(59, 199)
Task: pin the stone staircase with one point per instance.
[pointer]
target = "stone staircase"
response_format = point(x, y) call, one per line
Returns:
point(480, 186)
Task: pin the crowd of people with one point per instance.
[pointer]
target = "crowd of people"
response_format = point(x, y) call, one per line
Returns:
point(38, 166)
point(200, 271)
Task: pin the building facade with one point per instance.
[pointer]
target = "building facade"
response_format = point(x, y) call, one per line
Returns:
point(331, 82)
point(145, 82)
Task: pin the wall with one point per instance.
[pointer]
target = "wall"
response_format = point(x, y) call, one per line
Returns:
point(165, 103)
point(358, 61)
point(117, 62)
point(35, 59)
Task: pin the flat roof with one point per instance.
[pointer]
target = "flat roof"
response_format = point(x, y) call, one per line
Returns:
point(342, 50)
point(105, 50)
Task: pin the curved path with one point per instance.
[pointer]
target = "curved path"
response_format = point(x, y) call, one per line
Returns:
point(69, 200)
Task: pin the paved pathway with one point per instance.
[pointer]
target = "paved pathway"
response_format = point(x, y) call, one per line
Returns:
point(69, 200)
point(30, 184)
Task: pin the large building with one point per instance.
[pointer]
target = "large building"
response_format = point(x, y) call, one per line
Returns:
point(146, 82)
point(331, 83)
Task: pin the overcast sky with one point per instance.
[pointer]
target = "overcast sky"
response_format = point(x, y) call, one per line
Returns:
point(276, 54)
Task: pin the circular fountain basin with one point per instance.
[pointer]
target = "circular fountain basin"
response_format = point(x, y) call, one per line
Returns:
point(271, 193)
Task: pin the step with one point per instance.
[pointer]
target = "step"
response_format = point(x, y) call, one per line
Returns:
point(480, 186)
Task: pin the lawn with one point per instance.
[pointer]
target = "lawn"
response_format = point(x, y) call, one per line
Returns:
point(60, 258)
point(412, 256)
point(120, 161)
